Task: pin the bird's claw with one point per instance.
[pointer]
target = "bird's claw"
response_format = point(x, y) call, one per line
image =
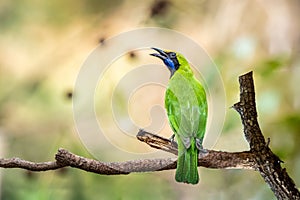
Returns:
point(172, 139)
point(199, 144)
point(202, 153)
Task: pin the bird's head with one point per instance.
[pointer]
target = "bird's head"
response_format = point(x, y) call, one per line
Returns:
point(172, 60)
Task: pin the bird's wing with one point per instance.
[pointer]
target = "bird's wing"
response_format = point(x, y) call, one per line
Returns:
point(183, 118)
point(202, 106)
point(173, 110)
point(187, 109)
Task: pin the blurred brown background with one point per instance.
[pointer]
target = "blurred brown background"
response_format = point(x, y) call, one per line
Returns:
point(44, 43)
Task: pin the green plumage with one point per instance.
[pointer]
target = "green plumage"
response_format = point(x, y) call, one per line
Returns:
point(186, 106)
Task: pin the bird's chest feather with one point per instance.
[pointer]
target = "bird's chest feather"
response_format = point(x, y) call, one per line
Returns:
point(183, 90)
point(182, 104)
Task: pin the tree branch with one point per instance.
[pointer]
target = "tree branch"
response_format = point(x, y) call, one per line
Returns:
point(32, 166)
point(260, 157)
point(211, 159)
point(268, 164)
point(66, 158)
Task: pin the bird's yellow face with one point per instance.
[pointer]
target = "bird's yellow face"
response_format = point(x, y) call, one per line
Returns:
point(181, 59)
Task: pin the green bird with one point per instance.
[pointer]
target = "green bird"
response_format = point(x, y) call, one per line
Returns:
point(186, 105)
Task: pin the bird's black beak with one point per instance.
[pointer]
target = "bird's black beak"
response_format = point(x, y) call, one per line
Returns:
point(162, 55)
point(171, 63)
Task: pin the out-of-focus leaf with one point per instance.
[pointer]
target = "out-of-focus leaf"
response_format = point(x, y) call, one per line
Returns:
point(268, 66)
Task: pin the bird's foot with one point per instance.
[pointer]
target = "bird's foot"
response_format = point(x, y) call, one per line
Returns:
point(172, 139)
point(202, 152)
point(199, 144)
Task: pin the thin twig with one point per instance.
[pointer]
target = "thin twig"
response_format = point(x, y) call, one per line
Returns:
point(32, 166)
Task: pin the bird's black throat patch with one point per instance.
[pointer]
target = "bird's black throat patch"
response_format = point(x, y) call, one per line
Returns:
point(173, 57)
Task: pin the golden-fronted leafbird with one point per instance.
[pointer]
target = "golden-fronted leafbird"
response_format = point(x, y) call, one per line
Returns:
point(186, 105)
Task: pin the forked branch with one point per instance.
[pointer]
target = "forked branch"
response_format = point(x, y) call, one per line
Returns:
point(259, 157)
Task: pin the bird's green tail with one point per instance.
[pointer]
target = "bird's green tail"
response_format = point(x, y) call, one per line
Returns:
point(187, 164)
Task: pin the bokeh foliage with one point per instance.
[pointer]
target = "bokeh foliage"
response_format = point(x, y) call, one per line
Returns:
point(44, 43)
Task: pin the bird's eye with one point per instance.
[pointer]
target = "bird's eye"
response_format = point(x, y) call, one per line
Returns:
point(172, 55)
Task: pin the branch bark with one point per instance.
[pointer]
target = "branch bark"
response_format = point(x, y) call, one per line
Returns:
point(211, 159)
point(259, 157)
point(267, 163)
point(32, 166)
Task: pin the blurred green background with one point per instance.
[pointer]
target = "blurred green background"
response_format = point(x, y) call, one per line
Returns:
point(44, 43)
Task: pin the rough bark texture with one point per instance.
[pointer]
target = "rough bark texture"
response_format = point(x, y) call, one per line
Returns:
point(267, 163)
point(65, 157)
point(259, 157)
point(210, 159)
point(32, 166)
